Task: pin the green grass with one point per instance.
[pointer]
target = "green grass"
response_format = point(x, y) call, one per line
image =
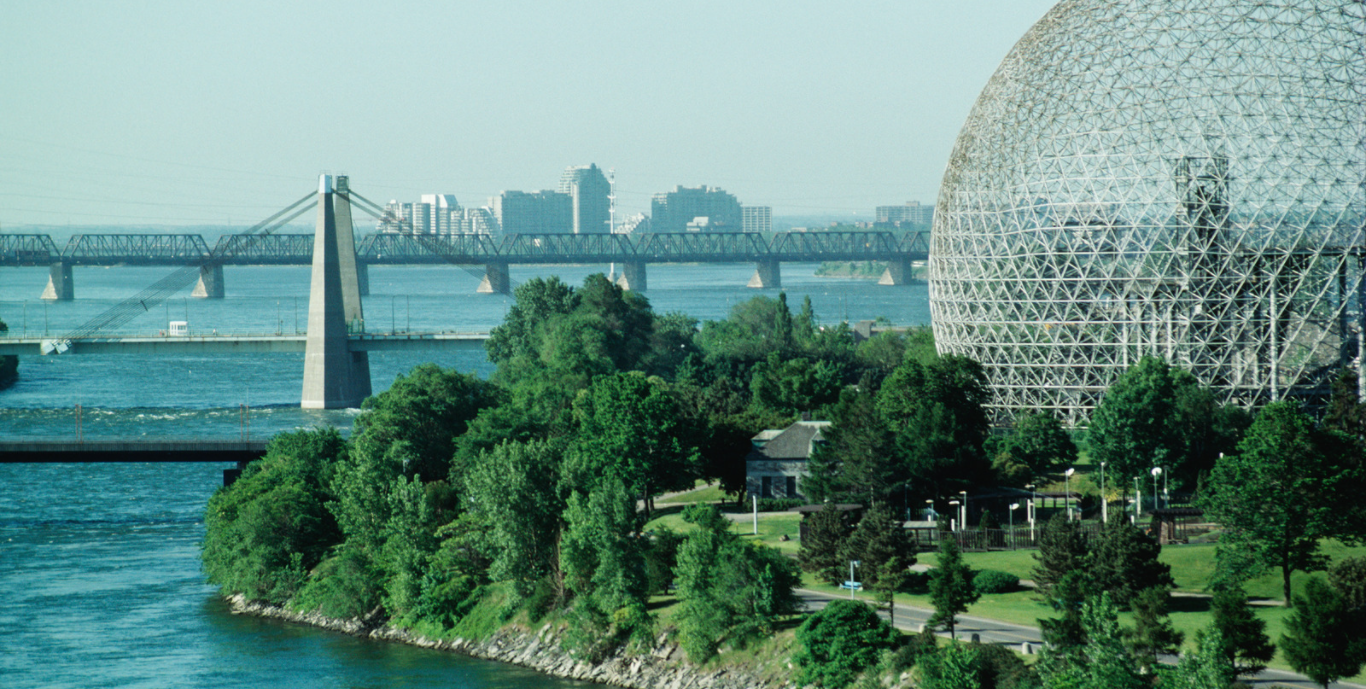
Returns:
point(703, 494)
point(772, 527)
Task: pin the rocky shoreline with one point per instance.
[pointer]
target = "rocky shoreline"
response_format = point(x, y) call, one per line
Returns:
point(663, 667)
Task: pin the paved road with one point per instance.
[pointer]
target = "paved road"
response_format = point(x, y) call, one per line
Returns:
point(911, 619)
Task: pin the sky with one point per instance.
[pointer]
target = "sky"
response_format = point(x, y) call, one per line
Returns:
point(146, 113)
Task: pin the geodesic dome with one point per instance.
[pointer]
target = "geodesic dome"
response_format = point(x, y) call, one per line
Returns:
point(1179, 178)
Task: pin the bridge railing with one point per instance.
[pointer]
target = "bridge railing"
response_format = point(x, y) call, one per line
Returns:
point(135, 248)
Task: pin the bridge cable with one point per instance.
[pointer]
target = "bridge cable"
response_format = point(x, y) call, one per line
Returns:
point(430, 243)
point(162, 289)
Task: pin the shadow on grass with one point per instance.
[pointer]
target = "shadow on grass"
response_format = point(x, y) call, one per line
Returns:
point(660, 602)
point(1189, 604)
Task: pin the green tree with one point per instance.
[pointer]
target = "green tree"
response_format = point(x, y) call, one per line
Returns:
point(728, 590)
point(1039, 442)
point(628, 425)
point(951, 589)
point(1246, 646)
point(794, 385)
point(1124, 561)
point(513, 489)
point(1134, 427)
point(891, 577)
point(1276, 497)
point(1153, 634)
point(1062, 551)
point(602, 560)
point(1066, 596)
point(955, 666)
point(1348, 579)
point(937, 417)
point(427, 409)
point(856, 457)
point(820, 547)
point(1204, 668)
point(1318, 644)
point(840, 641)
point(1101, 663)
point(878, 538)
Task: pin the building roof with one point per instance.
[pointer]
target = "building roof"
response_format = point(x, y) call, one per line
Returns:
point(792, 443)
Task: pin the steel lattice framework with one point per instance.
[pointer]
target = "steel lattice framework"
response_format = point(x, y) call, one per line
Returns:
point(1180, 178)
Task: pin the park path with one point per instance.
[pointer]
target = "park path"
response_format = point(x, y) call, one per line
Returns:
point(911, 618)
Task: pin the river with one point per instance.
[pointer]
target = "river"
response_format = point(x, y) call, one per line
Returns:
point(100, 583)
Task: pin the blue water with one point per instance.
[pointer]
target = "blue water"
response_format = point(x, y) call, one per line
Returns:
point(100, 583)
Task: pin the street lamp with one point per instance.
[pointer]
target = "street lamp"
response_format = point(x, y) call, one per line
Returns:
point(954, 504)
point(1067, 489)
point(1157, 471)
point(1138, 503)
point(853, 585)
point(1013, 506)
point(964, 523)
point(1031, 510)
point(1104, 503)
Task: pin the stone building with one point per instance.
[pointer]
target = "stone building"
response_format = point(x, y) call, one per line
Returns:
point(778, 461)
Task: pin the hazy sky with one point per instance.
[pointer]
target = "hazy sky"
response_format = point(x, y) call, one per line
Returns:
point(133, 113)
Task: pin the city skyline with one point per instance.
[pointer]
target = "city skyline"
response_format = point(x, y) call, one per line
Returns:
point(167, 114)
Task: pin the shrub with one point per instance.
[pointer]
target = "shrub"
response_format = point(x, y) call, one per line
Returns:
point(840, 641)
point(779, 504)
point(993, 581)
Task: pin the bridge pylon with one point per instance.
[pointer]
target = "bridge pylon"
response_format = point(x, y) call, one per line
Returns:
point(334, 376)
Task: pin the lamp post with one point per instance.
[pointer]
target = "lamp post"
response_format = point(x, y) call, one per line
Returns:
point(963, 524)
point(1138, 502)
point(1104, 503)
point(1031, 510)
point(1067, 489)
point(954, 505)
point(853, 585)
point(1157, 471)
point(1013, 506)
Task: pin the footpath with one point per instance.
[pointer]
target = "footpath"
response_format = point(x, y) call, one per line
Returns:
point(1030, 640)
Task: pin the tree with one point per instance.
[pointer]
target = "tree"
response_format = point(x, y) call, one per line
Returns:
point(628, 425)
point(1101, 663)
point(1067, 596)
point(878, 538)
point(1318, 644)
point(840, 641)
point(856, 457)
point(1134, 426)
point(728, 590)
point(952, 667)
point(891, 577)
point(1245, 643)
point(1205, 668)
point(1062, 551)
point(603, 565)
point(1124, 561)
point(936, 414)
point(951, 589)
point(1039, 442)
point(513, 490)
point(1348, 579)
point(820, 547)
point(1153, 634)
point(427, 409)
point(1276, 497)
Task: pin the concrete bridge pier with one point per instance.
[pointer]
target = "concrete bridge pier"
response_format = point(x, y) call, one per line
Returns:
point(363, 278)
point(898, 272)
point(334, 376)
point(633, 276)
point(60, 286)
point(496, 280)
point(210, 285)
point(766, 276)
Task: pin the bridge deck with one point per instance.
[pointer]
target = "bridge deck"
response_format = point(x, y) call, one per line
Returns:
point(52, 450)
point(239, 343)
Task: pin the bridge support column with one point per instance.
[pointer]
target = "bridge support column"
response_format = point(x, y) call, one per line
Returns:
point(496, 280)
point(210, 284)
point(633, 276)
point(363, 278)
point(766, 276)
point(60, 286)
point(898, 272)
point(334, 376)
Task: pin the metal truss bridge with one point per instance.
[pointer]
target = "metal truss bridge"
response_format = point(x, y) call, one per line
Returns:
point(634, 252)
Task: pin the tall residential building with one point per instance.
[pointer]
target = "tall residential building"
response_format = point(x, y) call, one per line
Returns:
point(588, 191)
point(912, 213)
point(538, 212)
point(757, 218)
point(672, 211)
point(433, 214)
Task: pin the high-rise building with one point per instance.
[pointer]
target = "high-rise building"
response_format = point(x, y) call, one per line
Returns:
point(436, 211)
point(912, 213)
point(538, 212)
point(588, 191)
point(672, 211)
point(757, 218)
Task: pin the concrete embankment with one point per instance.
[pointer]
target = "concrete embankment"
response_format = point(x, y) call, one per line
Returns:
point(663, 667)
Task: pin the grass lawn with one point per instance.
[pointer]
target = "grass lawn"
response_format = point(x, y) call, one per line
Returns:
point(704, 493)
